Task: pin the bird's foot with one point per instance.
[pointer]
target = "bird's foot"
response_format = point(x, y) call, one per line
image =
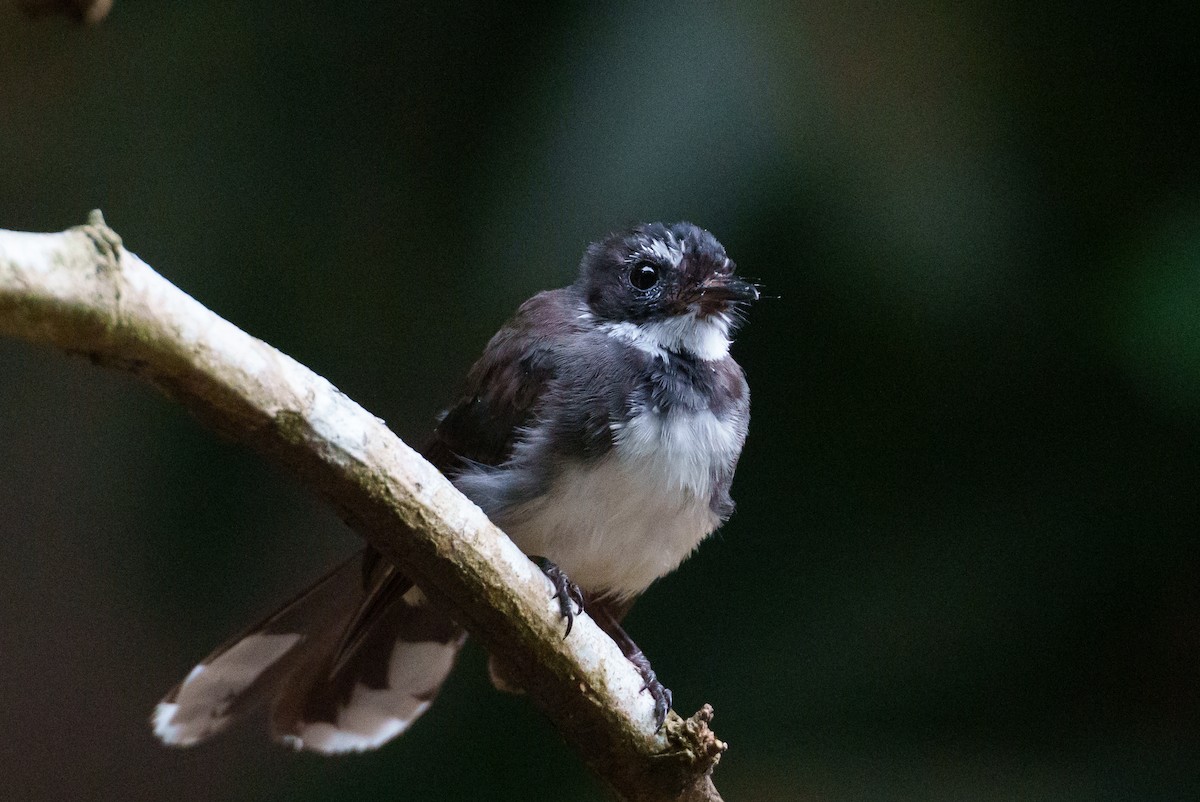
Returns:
point(658, 692)
point(661, 696)
point(569, 595)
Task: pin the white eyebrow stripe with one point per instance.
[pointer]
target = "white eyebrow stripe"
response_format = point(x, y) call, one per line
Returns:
point(658, 249)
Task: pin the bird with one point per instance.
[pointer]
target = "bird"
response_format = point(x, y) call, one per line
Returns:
point(600, 429)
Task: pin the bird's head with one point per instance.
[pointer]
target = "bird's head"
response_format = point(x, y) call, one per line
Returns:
point(665, 288)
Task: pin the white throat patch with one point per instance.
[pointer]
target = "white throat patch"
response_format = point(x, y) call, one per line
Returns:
point(706, 338)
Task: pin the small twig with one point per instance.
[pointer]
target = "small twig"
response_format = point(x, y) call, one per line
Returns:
point(89, 12)
point(81, 291)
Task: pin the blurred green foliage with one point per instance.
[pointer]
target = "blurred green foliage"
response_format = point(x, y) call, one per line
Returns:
point(964, 563)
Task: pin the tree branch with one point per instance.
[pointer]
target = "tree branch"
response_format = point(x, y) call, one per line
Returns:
point(81, 291)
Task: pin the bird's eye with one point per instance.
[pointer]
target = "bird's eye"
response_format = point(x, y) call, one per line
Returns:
point(643, 276)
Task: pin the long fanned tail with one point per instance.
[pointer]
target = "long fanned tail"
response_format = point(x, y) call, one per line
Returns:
point(364, 695)
point(347, 665)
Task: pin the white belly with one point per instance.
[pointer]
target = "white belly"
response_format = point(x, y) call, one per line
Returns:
point(619, 523)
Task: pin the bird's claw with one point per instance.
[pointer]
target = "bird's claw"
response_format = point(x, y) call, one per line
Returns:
point(660, 694)
point(569, 594)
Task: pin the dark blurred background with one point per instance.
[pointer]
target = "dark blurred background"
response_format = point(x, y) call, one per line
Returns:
point(965, 560)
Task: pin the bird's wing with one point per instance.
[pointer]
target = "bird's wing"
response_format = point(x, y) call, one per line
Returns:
point(504, 386)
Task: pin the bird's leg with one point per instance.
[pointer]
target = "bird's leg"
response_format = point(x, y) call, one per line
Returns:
point(605, 618)
point(570, 597)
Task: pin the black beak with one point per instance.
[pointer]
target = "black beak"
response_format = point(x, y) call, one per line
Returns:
point(728, 289)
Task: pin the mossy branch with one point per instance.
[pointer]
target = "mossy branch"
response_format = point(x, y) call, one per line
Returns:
point(81, 291)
